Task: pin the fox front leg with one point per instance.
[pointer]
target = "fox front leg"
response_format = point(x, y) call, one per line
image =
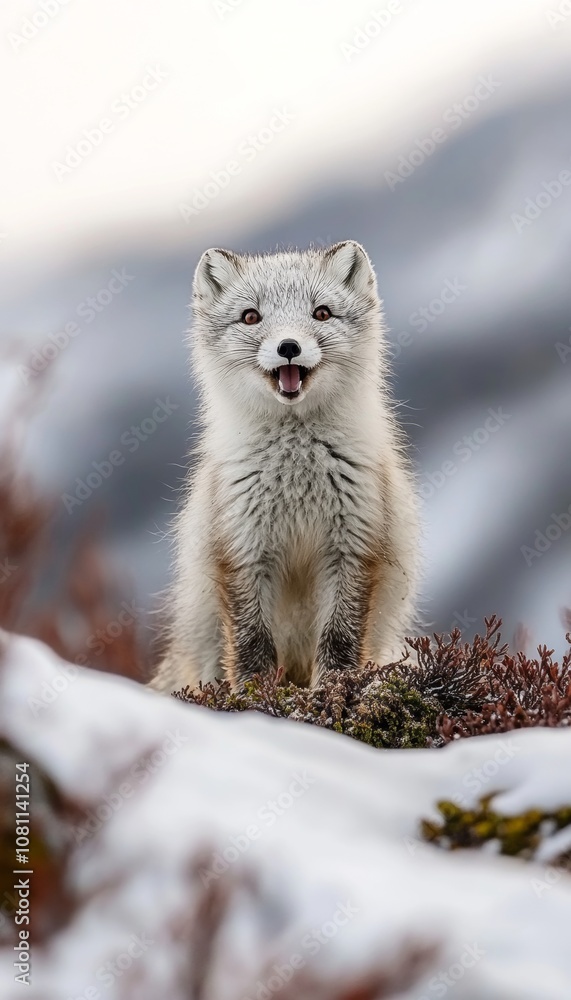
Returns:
point(347, 591)
point(245, 595)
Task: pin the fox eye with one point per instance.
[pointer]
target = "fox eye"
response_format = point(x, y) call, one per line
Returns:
point(250, 316)
point(322, 313)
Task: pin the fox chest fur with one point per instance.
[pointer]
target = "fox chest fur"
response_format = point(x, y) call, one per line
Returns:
point(293, 493)
point(292, 512)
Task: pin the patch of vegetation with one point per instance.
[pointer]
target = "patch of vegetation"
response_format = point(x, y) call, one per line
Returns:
point(371, 705)
point(442, 690)
point(517, 836)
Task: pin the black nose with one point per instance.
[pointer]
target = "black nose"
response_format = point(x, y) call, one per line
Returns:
point(289, 349)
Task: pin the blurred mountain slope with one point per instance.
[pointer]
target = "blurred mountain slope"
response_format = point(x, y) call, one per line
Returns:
point(493, 346)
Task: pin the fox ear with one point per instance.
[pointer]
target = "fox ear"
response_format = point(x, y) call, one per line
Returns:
point(350, 265)
point(215, 270)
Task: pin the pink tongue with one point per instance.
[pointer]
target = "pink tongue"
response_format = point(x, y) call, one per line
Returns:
point(289, 378)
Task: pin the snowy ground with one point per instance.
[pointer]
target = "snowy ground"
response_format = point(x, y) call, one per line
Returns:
point(300, 845)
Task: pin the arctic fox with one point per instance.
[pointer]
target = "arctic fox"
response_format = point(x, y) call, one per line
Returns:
point(298, 544)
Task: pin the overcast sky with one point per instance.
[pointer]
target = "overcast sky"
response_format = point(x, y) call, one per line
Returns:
point(183, 87)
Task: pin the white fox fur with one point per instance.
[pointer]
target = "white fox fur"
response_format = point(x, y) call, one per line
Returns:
point(298, 544)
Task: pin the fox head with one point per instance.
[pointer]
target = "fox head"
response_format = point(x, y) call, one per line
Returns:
point(290, 329)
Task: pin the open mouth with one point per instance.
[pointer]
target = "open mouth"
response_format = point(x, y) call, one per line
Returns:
point(290, 379)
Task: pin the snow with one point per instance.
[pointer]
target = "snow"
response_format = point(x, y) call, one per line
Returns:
point(321, 836)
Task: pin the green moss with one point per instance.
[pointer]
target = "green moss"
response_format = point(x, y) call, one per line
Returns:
point(383, 710)
point(516, 835)
point(392, 714)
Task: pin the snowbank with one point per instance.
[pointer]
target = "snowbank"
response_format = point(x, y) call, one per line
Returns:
point(236, 856)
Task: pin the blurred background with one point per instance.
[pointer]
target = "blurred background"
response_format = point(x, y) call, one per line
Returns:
point(137, 135)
